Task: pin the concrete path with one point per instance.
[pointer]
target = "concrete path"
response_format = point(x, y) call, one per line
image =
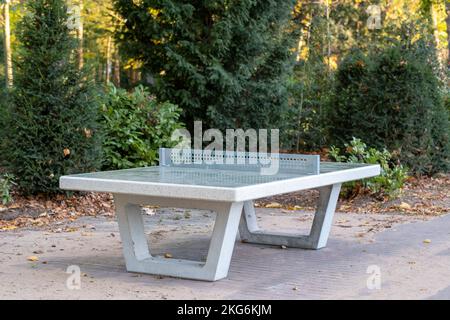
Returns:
point(368, 257)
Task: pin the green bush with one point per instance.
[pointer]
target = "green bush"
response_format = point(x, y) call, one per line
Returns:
point(392, 176)
point(393, 99)
point(3, 122)
point(135, 125)
point(6, 184)
point(52, 127)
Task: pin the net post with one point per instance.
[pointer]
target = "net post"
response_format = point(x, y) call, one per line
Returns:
point(163, 159)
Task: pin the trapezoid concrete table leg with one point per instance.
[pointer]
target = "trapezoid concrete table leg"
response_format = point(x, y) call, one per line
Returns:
point(320, 230)
point(136, 251)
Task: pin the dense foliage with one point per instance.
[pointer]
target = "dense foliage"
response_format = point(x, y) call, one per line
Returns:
point(6, 184)
point(3, 93)
point(52, 129)
point(389, 182)
point(223, 62)
point(393, 99)
point(4, 119)
point(447, 101)
point(135, 126)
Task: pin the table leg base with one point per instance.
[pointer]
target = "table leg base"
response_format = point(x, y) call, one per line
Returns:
point(320, 230)
point(137, 254)
point(229, 217)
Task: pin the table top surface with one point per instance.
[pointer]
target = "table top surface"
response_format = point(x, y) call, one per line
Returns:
point(206, 176)
point(211, 183)
point(211, 177)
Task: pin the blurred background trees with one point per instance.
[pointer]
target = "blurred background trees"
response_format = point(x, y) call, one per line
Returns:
point(331, 28)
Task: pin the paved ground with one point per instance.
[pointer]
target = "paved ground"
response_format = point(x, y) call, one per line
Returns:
point(409, 268)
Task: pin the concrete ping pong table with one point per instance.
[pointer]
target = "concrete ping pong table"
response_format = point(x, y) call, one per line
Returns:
point(196, 179)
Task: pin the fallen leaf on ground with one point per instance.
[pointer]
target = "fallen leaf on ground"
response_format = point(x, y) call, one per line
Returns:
point(273, 205)
point(33, 258)
point(8, 228)
point(168, 255)
point(148, 211)
point(427, 241)
point(345, 207)
point(404, 206)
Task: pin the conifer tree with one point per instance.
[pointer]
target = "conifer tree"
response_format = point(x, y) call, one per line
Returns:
point(223, 62)
point(52, 129)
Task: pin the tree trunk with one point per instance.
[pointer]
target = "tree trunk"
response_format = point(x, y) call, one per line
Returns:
point(328, 42)
point(447, 8)
point(100, 71)
point(80, 36)
point(116, 75)
point(8, 52)
point(434, 20)
point(108, 60)
point(135, 76)
point(299, 47)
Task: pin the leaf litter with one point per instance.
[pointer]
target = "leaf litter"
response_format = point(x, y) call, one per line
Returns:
point(424, 197)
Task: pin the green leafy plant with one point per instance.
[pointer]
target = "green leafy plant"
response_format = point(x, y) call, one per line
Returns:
point(6, 184)
point(135, 126)
point(389, 182)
